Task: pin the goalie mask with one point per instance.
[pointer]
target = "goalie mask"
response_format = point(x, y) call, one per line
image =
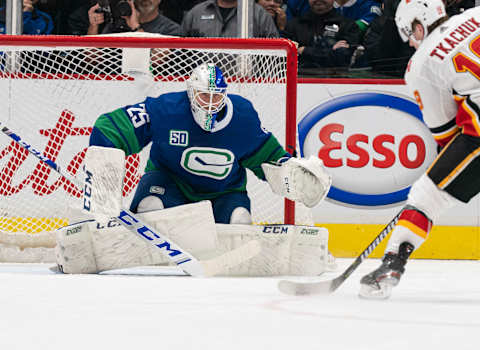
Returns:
point(207, 91)
point(426, 12)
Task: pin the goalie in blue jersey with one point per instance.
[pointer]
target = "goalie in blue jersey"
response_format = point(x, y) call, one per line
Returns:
point(202, 142)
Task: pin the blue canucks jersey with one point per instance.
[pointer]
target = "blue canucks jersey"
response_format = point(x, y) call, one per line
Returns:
point(361, 11)
point(203, 164)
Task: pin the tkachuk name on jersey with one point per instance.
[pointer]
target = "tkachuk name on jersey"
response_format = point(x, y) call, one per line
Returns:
point(455, 37)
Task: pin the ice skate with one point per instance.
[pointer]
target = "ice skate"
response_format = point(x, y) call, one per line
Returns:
point(378, 284)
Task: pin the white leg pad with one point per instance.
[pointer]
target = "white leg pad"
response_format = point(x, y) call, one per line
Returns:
point(115, 247)
point(111, 246)
point(191, 226)
point(309, 251)
point(286, 249)
point(74, 250)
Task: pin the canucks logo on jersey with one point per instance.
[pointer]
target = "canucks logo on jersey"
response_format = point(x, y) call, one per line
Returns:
point(215, 163)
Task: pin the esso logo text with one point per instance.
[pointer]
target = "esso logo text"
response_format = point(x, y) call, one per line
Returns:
point(361, 145)
point(375, 145)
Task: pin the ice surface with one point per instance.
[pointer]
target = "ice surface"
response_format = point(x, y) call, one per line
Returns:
point(436, 306)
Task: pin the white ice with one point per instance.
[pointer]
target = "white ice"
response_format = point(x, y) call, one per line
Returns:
point(436, 306)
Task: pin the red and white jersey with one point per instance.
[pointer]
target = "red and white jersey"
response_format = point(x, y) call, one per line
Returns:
point(444, 77)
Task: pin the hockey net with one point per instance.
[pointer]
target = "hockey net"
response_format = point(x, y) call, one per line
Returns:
point(52, 89)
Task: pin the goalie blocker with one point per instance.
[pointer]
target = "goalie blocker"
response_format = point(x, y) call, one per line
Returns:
point(91, 247)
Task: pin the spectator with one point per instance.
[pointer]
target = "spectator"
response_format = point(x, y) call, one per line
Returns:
point(297, 8)
point(325, 38)
point(2, 17)
point(145, 17)
point(76, 17)
point(385, 51)
point(176, 9)
point(34, 21)
point(218, 18)
point(274, 8)
point(64, 12)
point(363, 12)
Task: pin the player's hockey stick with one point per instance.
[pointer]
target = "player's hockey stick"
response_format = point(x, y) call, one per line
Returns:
point(186, 261)
point(329, 286)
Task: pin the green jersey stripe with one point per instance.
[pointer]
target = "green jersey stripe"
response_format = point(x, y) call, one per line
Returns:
point(271, 151)
point(116, 126)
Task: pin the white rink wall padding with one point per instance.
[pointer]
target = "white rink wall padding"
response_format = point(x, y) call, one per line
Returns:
point(435, 306)
point(352, 227)
point(370, 135)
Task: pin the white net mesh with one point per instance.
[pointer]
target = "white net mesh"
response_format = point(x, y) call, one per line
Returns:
point(51, 97)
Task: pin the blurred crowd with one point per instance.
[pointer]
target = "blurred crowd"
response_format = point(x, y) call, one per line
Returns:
point(334, 37)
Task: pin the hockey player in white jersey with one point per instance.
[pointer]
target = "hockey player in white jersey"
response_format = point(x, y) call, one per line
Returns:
point(444, 78)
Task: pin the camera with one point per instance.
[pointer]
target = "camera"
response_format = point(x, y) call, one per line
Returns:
point(117, 8)
point(113, 11)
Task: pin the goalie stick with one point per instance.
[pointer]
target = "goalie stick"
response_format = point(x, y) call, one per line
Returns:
point(329, 286)
point(186, 261)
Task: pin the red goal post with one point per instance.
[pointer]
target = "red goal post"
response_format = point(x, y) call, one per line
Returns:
point(52, 88)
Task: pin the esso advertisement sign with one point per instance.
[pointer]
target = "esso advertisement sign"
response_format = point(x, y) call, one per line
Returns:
point(375, 145)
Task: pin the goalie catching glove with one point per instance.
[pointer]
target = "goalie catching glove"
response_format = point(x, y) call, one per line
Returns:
point(302, 180)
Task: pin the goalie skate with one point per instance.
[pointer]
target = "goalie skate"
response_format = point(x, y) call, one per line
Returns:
point(378, 284)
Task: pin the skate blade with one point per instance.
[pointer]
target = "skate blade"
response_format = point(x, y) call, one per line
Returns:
point(374, 293)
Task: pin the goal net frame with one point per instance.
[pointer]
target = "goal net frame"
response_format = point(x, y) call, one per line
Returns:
point(153, 42)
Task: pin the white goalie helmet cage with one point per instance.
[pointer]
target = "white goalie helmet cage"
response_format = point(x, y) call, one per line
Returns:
point(207, 91)
point(426, 12)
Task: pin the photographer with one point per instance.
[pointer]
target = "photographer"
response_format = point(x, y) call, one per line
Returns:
point(141, 16)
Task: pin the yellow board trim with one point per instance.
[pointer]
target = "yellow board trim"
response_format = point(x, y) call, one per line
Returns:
point(444, 242)
point(345, 240)
point(31, 225)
